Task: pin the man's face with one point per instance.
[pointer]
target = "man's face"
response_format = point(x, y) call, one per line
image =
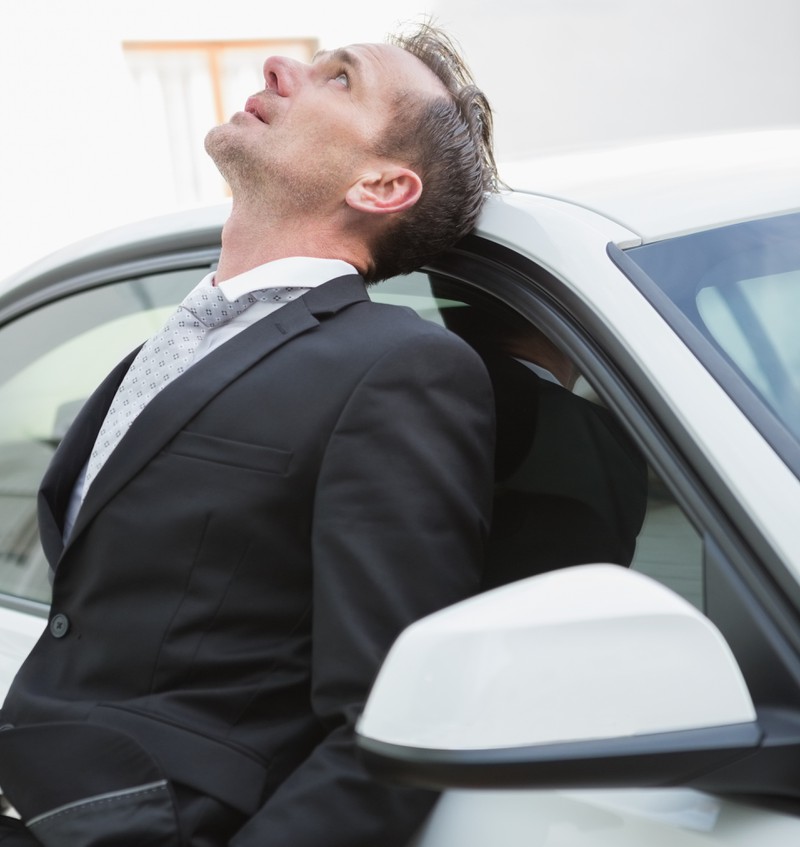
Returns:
point(314, 128)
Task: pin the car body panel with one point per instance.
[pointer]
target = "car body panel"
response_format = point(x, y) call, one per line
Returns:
point(665, 817)
point(671, 187)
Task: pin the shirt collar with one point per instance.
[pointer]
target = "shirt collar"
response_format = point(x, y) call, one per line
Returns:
point(293, 271)
point(539, 371)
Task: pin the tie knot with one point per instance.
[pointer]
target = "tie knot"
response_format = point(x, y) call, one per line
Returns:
point(210, 306)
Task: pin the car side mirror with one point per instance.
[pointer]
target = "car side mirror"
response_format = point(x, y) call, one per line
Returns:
point(584, 677)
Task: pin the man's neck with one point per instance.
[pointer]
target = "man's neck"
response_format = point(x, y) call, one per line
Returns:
point(249, 241)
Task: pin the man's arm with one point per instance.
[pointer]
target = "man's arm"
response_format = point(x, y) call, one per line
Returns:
point(400, 522)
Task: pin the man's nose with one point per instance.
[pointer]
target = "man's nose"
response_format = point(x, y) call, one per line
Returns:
point(282, 74)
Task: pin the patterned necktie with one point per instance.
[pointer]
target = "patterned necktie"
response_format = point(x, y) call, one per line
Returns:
point(166, 355)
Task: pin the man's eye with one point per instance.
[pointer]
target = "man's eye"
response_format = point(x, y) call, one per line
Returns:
point(342, 79)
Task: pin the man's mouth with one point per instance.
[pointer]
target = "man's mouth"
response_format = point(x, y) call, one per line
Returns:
point(254, 108)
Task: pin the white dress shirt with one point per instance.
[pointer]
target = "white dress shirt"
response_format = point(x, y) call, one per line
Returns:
point(294, 271)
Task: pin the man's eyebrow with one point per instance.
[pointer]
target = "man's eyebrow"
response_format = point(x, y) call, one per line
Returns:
point(342, 55)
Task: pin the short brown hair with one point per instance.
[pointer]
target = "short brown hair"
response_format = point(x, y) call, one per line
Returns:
point(448, 142)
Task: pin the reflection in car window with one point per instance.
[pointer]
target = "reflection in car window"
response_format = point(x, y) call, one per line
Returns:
point(51, 359)
point(740, 287)
point(755, 322)
point(571, 488)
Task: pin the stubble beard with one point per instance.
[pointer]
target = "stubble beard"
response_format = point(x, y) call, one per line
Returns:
point(279, 186)
point(231, 159)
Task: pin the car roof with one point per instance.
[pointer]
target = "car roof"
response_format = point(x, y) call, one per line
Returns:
point(186, 230)
point(670, 187)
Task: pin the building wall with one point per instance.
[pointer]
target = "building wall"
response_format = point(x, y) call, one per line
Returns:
point(577, 73)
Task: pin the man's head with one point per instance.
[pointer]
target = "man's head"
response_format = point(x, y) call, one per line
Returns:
point(447, 141)
point(380, 151)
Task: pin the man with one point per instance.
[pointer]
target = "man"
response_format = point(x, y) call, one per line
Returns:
point(237, 537)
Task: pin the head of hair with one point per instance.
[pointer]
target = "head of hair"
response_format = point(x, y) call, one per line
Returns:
point(447, 141)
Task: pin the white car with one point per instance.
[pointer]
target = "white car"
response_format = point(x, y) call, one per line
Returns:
point(577, 703)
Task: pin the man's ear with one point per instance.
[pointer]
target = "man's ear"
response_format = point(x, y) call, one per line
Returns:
point(393, 189)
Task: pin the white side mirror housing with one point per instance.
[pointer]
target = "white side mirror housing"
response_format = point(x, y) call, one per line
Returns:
point(586, 653)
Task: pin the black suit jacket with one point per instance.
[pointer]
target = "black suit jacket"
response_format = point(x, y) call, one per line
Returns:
point(572, 487)
point(240, 566)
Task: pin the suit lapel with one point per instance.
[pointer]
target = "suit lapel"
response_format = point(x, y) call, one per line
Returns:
point(170, 410)
point(69, 458)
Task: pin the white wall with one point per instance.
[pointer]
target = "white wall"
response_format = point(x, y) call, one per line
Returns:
point(560, 73)
point(73, 156)
point(575, 73)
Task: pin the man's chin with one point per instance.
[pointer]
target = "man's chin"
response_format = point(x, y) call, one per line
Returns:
point(225, 151)
point(216, 138)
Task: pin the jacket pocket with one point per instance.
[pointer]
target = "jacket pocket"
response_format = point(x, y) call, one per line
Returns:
point(221, 770)
point(224, 451)
point(79, 785)
point(142, 815)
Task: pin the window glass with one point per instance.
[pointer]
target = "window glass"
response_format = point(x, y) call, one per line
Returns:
point(668, 547)
point(739, 286)
point(51, 359)
point(571, 487)
point(754, 321)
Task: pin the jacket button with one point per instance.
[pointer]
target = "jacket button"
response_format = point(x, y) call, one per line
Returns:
point(59, 626)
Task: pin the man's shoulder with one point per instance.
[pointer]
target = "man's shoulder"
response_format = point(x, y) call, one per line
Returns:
point(392, 322)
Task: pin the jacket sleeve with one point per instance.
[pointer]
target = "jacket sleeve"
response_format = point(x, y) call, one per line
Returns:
point(400, 521)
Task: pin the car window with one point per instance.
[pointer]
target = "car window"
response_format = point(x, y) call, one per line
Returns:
point(739, 287)
point(753, 321)
point(51, 359)
point(571, 486)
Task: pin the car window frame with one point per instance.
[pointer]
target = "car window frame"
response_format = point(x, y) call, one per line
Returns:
point(499, 272)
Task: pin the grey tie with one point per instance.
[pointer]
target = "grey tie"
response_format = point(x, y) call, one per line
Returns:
point(166, 355)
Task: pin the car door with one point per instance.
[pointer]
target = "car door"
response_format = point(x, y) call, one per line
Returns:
point(695, 539)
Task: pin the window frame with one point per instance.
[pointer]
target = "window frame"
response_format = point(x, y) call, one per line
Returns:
point(540, 296)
